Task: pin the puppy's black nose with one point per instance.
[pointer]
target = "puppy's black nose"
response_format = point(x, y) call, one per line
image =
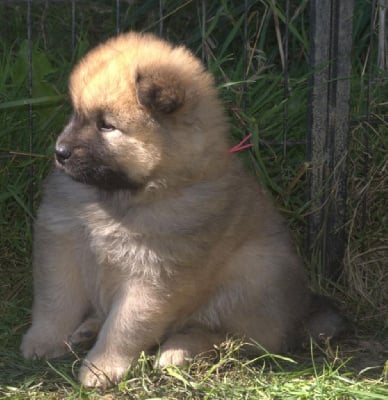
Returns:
point(62, 153)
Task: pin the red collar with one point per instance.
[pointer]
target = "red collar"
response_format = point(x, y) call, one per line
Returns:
point(241, 145)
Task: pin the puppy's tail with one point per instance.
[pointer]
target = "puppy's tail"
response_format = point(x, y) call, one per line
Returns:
point(324, 321)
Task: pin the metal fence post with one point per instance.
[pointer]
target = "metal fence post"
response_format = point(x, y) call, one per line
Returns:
point(327, 142)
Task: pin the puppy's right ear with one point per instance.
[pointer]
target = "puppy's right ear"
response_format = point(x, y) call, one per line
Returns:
point(159, 89)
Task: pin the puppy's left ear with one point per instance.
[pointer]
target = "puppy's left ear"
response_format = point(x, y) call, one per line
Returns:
point(159, 89)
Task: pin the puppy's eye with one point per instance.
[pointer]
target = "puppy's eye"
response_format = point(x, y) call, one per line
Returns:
point(103, 126)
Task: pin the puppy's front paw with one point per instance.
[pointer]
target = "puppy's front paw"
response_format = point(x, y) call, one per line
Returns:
point(42, 343)
point(102, 373)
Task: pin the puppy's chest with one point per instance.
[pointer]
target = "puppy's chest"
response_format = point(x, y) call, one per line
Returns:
point(123, 248)
point(121, 244)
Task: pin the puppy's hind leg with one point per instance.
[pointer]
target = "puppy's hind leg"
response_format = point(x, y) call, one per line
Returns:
point(60, 302)
point(85, 335)
point(325, 321)
point(183, 346)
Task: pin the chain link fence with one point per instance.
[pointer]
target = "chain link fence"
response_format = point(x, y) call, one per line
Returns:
point(315, 37)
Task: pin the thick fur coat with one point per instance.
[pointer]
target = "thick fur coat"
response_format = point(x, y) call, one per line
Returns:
point(150, 232)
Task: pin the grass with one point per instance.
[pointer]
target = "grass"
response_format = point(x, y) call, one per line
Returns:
point(231, 377)
point(253, 91)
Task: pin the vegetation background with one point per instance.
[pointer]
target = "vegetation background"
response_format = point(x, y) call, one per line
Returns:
point(34, 107)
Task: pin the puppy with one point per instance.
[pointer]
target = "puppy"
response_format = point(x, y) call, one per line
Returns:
point(150, 232)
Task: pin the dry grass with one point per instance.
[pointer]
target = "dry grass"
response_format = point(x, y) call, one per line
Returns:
point(365, 274)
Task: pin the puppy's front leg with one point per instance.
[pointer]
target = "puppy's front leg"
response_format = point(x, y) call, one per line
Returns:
point(59, 297)
point(137, 320)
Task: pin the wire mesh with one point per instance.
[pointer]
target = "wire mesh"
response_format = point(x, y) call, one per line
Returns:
point(326, 137)
point(30, 110)
point(118, 27)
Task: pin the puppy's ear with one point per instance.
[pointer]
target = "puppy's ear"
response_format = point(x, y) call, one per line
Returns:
point(159, 89)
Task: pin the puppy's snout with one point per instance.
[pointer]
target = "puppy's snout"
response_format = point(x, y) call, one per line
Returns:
point(62, 153)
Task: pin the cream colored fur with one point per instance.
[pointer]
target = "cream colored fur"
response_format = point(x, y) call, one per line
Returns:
point(197, 253)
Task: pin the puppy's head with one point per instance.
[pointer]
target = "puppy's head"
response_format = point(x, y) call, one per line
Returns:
point(142, 110)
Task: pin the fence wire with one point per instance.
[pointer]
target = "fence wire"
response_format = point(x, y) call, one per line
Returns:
point(327, 136)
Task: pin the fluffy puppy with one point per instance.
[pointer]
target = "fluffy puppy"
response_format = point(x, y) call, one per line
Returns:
point(150, 232)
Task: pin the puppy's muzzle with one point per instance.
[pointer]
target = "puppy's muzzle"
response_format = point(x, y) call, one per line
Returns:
point(62, 153)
